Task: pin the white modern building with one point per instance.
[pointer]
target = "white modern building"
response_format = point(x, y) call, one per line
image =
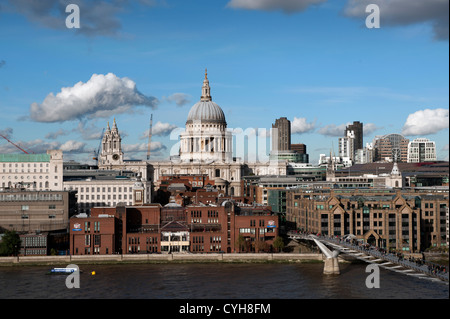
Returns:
point(365, 155)
point(32, 171)
point(421, 150)
point(105, 188)
point(347, 145)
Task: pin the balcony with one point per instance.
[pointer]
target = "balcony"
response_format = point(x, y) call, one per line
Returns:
point(205, 227)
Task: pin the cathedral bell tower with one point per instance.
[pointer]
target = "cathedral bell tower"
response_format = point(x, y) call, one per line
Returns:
point(111, 147)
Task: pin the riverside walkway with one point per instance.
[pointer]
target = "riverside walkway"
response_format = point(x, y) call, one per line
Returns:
point(370, 254)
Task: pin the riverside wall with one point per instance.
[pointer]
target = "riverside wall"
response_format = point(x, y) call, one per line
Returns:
point(158, 258)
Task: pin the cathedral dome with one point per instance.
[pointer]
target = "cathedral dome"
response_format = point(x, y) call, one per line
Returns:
point(206, 112)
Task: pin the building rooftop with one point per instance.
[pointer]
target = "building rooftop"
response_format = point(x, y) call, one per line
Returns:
point(18, 158)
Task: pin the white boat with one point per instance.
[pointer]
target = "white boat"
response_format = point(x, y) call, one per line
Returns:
point(64, 270)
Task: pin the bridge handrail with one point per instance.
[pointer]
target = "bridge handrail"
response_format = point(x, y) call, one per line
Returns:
point(372, 250)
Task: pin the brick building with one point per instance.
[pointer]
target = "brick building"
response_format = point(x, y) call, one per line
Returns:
point(172, 228)
point(407, 220)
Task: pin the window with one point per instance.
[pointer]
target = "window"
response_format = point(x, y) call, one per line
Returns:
point(97, 240)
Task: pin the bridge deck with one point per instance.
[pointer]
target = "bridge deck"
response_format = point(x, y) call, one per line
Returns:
point(385, 260)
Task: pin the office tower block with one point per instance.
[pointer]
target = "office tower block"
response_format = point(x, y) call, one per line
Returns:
point(282, 142)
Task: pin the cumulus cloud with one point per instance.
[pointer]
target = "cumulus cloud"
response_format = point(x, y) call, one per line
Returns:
point(333, 130)
point(406, 12)
point(55, 135)
point(98, 18)
point(339, 130)
point(35, 146)
point(73, 147)
point(142, 147)
point(287, 6)
point(300, 125)
point(160, 129)
point(369, 128)
point(6, 132)
point(426, 121)
point(101, 96)
point(39, 146)
point(179, 99)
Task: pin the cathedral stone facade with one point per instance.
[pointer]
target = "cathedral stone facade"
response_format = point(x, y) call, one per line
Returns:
point(206, 147)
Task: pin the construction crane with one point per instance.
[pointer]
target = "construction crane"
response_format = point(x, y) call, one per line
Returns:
point(14, 144)
point(97, 152)
point(149, 137)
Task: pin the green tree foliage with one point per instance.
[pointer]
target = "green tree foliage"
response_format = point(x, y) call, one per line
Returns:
point(278, 243)
point(10, 244)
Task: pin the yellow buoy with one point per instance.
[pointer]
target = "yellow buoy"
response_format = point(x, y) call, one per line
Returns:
point(93, 273)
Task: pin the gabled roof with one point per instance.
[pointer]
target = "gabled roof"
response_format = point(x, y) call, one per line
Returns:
point(174, 226)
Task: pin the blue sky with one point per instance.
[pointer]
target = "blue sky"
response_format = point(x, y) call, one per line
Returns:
point(312, 61)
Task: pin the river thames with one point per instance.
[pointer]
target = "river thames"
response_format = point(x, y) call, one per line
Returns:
point(215, 281)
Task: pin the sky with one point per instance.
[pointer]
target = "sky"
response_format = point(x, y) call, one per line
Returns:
point(315, 62)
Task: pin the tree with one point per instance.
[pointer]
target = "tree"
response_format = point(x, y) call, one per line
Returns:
point(240, 242)
point(10, 244)
point(278, 243)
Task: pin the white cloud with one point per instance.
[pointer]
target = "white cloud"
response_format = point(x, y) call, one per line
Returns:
point(426, 121)
point(369, 128)
point(299, 126)
point(160, 129)
point(101, 96)
point(54, 135)
point(7, 132)
point(142, 147)
point(287, 6)
point(406, 12)
point(39, 146)
point(179, 99)
point(73, 147)
point(98, 18)
point(333, 130)
point(35, 146)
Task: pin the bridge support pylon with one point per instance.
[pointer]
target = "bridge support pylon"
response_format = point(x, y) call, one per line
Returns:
point(331, 266)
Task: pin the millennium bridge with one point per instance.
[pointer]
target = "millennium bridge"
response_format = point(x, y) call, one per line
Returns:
point(332, 247)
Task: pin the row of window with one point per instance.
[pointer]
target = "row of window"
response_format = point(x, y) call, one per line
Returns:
point(103, 189)
point(253, 223)
point(104, 197)
point(28, 165)
point(30, 197)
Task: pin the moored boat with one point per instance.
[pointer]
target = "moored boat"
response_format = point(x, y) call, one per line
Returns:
point(63, 271)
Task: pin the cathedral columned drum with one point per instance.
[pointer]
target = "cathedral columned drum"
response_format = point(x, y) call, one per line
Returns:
point(206, 148)
point(206, 137)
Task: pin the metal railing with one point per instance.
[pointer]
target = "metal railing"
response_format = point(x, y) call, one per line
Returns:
point(430, 269)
